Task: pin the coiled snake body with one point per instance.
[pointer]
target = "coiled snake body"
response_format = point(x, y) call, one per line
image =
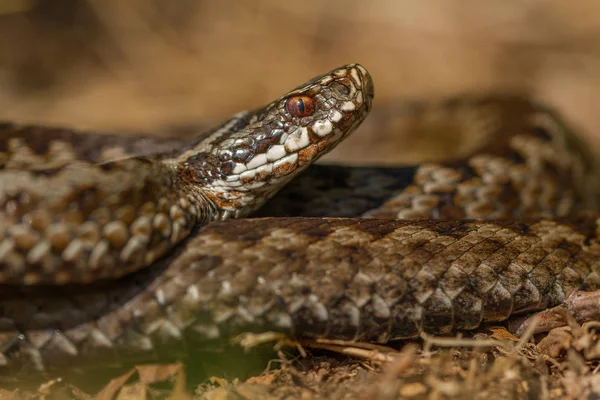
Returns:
point(107, 246)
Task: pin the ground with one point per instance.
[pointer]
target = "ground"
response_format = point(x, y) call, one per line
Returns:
point(489, 364)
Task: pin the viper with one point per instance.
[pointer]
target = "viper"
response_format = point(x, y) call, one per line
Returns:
point(115, 245)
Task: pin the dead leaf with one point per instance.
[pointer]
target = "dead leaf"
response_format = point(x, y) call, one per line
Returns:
point(113, 387)
point(555, 343)
point(153, 373)
point(500, 333)
point(136, 391)
point(263, 379)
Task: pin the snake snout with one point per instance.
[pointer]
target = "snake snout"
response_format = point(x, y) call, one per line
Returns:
point(369, 88)
point(366, 83)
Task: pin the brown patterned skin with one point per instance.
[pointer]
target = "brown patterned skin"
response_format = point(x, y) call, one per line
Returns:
point(368, 280)
point(76, 208)
point(363, 279)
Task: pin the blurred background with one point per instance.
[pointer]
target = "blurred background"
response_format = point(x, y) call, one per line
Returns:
point(160, 66)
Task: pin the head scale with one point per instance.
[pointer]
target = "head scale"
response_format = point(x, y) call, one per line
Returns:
point(254, 154)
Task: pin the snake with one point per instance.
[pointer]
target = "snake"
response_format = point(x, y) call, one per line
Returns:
point(116, 247)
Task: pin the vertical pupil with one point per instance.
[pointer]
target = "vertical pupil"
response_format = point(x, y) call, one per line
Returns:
point(300, 105)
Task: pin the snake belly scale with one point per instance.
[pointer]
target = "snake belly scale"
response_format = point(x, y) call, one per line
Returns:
point(111, 246)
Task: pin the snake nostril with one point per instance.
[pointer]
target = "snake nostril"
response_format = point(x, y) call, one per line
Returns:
point(341, 87)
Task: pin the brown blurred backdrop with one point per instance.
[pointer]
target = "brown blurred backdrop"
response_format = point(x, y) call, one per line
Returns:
point(155, 65)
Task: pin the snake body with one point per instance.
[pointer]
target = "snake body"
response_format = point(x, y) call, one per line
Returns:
point(107, 248)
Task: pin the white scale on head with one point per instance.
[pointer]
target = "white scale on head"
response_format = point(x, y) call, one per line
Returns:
point(291, 159)
point(348, 106)
point(257, 161)
point(322, 128)
point(298, 140)
point(276, 152)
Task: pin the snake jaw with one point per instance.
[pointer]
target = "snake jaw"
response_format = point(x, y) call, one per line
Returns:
point(241, 168)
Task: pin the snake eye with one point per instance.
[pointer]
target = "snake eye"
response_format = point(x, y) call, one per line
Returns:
point(300, 106)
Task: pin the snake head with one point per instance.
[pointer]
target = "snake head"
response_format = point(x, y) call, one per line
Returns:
point(248, 159)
